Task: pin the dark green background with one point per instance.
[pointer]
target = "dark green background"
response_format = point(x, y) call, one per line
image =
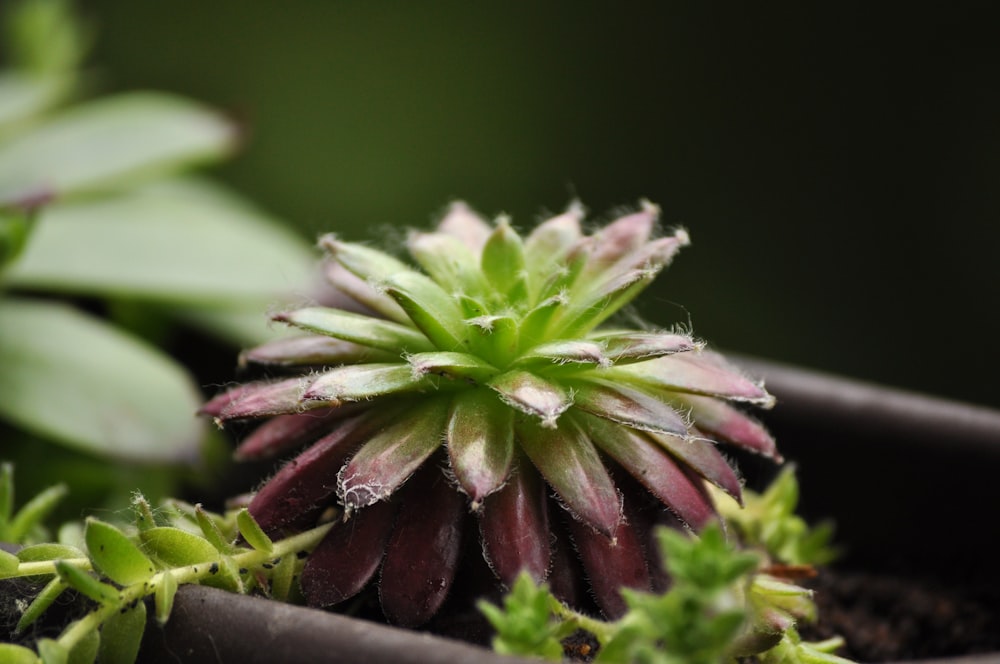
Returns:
point(837, 164)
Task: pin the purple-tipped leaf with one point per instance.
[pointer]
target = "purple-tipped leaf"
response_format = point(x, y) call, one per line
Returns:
point(532, 395)
point(266, 398)
point(657, 470)
point(361, 382)
point(449, 261)
point(465, 224)
point(571, 465)
point(567, 351)
point(630, 346)
point(312, 350)
point(284, 433)
point(422, 553)
point(480, 440)
point(700, 372)
point(701, 456)
point(620, 238)
point(306, 482)
point(393, 454)
point(348, 557)
point(357, 328)
point(729, 424)
point(628, 406)
point(364, 293)
point(514, 525)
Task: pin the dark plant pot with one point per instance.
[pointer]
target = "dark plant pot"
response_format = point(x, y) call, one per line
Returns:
point(908, 479)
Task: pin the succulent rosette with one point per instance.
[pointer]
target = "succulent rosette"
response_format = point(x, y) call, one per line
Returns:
point(487, 388)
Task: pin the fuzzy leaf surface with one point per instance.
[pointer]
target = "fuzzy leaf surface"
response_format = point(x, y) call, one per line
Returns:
point(116, 555)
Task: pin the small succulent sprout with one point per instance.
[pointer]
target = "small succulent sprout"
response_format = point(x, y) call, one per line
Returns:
point(489, 383)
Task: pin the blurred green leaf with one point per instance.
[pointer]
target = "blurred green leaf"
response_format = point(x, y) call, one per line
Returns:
point(183, 241)
point(85, 650)
point(115, 555)
point(164, 597)
point(114, 141)
point(77, 380)
point(43, 600)
point(15, 654)
point(121, 635)
point(82, 581)
point(44, 36)
point(23, 97)
point(32, 514)
point(15, 227)
point(48, 551)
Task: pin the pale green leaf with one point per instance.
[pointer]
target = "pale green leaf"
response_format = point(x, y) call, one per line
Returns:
point(72, 378)
point(23, 96)
point(252, 532)
point(43, 600)
point(85, 650)
point(48, 551)
point(82, 581)
point(177, 548)
point(164, 597)
point(11, 653)
point(115, 555)
point(121, 635)
point(181, 241)
point(53, 652)
point(110, 142)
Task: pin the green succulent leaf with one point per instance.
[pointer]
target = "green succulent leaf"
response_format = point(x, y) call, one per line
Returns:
point(15, 227)
point(432, 310)
point(503, 263)
point(48, 551)
point(177, 548)
point(480, 440)
point(210, 529)
point(360, 382)
point(115, 396)
point(164, 597)
point(14, 654)
point(115, 555)
point(524, 624)
point(83, 582)
point(358, 329)
point(109, 142)
point(121, 634)
point(53, 652)
point(252, 532)
point(43, 600)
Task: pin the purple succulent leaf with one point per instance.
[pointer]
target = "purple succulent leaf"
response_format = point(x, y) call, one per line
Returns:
point(702, 457)
point(625, 405)
point(453, 366)
point(620, 238)
point(653, 467)
point(566, 577)
point(357, 328)
point(702, 372)
point(624, 347)
point(467, 225)
point(434, 311)
point(364, 293)
point(307, 481)
point(422, 553)
point(480, 441)
point(284, 433)
point(567, 351)
point(311, 350)
point(612, 564)
point(361, 382)
point(267, 398)
point(569, 462)
point(548, 243)
point(214, 406)
point(348, 557)
point(532, 395)
point(514, 525)
point(393, 454)
point(729, 424)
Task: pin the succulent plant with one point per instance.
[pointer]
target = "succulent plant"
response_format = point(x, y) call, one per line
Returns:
point(488, 387)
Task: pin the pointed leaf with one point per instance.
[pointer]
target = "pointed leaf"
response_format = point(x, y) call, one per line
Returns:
point(703, 458)
point(494, 338)
point(622, 237)
point(631, 346)
point(717, 418)
point(465, 224)
point(653, 467)
point(105, 142)
point(8, 564)
point(263, 398)
point(480, 440)
point(391, 456)
point(252, 532)
point(514, 525)
point(34, 512)
point(43, 600)
point(430, 308)
point(361, 382)
point(348, 557)
point(502, 261)
point(449, 261)
point(307, 483)
point(422, 553)
point(164, 597)
point(571, 465)
point(311, 351)
point(533, 395)
point(369, 264)
point(115, 555)
point(83, 582)
point(454, 366)
point(121, 634)
point(284, 433)
point(177, 241)
point(697, 373)
point(359, 329)
point(631, 407)
point(177, 548)
point(115, 395)
point(365, 293)
point(567, 351)
point(548, 243)
point(210, 529)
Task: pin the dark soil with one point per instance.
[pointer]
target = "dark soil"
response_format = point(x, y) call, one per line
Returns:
point(889, 618)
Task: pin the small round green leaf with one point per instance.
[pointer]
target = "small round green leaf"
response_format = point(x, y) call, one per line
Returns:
point(177, 548)
point(115, 555)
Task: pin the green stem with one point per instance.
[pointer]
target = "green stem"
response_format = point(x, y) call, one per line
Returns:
point(190, 574)
point(602, 631)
